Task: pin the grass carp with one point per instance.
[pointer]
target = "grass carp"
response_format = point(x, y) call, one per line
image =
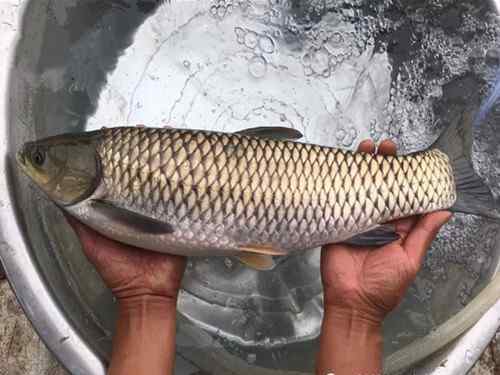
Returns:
point(251, 194)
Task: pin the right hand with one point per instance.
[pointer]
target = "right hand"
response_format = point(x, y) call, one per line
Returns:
point(369, 282)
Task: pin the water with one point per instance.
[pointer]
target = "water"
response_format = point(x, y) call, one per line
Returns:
point(338, 71)
point(491, 100)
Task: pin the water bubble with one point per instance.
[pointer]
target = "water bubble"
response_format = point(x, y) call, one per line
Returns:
point(240, 34)
point(257, 67)
point(266, 44)
point(187, 64)
point(251, 39)
point(436, 92)
point(308, 71)
point(375, 132)
point(221, 11)
point(347, 136)
point(307, 59)
point(320, 62)
point(239, 31)
point(245, 6)
point(341, 134)
point(337, 38)
point(493, 57)
point(350, 137)
point(228, 263)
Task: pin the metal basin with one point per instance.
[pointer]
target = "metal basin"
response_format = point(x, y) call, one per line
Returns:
point(338, 71)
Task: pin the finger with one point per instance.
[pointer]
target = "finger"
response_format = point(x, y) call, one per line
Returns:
point(367, 146)
point(387, 147)
point(425, 231)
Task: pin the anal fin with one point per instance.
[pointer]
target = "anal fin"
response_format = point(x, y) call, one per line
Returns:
point(262, 249)
point(259, 256)
point(257, 261)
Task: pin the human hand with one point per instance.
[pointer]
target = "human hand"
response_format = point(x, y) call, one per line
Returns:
point(370, 282)
point(129, 271)
point(146, 285)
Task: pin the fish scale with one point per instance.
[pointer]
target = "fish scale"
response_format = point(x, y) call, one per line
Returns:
point(233, 190)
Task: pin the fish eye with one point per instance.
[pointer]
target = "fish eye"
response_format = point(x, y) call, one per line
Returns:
point(38, 157)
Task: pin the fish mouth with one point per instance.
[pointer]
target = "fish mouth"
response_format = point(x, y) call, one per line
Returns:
point(21, 158)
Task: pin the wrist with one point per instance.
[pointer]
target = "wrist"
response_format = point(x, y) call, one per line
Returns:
point(144, 341)
point(127, 292)
point(350, 343)
point(353, 307)
point(347, 316)
point(147, 304)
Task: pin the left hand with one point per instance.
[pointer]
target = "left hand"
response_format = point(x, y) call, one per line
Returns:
point(146, 285)
point(129, 271)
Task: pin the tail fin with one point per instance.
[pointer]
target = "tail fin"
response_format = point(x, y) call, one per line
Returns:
point(473, 196)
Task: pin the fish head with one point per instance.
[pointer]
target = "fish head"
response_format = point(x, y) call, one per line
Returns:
point(66, 168)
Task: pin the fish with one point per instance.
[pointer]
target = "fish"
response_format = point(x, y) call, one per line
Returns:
point(253, 194)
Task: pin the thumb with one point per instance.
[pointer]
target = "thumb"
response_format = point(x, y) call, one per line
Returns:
point(421, 236)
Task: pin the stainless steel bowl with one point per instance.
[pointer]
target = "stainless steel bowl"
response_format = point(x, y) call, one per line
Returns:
point(339, 71)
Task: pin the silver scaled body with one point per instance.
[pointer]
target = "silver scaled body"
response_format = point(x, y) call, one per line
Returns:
point(222, 193)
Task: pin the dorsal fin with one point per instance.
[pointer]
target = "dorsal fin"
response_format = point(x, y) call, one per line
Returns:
point(278, 133)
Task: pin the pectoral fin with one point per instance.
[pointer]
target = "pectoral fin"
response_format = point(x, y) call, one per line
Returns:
point(257, 261)
point(131, 219)
point(379, 236)
point(277, 133)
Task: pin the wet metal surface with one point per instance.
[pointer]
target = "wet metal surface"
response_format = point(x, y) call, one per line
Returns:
point(337, 71)
point(23, 353)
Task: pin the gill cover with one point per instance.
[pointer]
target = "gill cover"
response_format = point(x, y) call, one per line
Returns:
point(65, 167)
